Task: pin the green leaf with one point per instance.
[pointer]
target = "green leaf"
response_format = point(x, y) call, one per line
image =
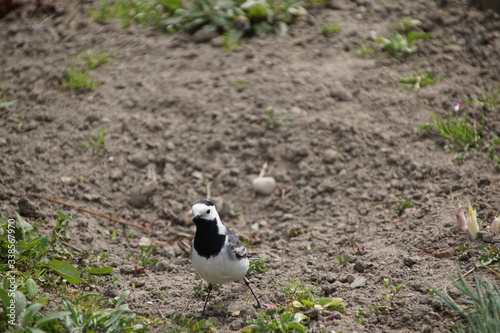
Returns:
point(30, 313)
point(104, 270)
point(32, 288)
point(4, 297)
point(296, 327)
point(122, 298)
point(65, 270)
point(51, 316)
point(20, 302)
point(298, 304)
point(301, 318)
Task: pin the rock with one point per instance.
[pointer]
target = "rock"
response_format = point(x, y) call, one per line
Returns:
point(138, 159)
point(359, 282)
point(338, 92)
point(66, 180)
point(350, 278)
point(409, 262)
point(359, 267)
point(202, 36)
point(167, 252)
point(161, 266)
point(137, 283)
point(27, 209)
point(127, 269)
point(145, 241)
point(334, 4)
point(264, 185)
point(444, 253)
point(330, 155)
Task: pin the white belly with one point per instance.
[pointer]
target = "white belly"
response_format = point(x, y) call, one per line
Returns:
point(220, 269)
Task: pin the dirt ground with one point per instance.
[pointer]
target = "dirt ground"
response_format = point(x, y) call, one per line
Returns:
point(346, 145)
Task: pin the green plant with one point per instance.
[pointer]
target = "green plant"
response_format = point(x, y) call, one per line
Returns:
point(363, 50)
point(78, 78)
point(257, 267)
point(494, 152)
point(489, 97)
point(392, 290)
point(179, 324)
point(237, 18)
point(144, 258)
point(272, 122)
point(407, 23)
point(96, 143)
point(401, 207)
point(418, 80)
point(295, 288)
point(482, 313)
point(93, 58)
point(331, 29)
point(343, 260)
point(490, 257)
point(277, 319)
point(6, 100)
point(398, 45)
point(460, 134)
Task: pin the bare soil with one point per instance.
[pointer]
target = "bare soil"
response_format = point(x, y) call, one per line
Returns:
point(345, 149)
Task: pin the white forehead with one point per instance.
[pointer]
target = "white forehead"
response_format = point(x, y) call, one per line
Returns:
point(207, 212)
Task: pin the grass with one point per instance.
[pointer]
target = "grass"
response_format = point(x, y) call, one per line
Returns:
point(94, 59)
point(272, 122)
point(179, 323)
point(331, 29)
point(402, 207)
point(78, 78)
point(257, 267)
point(363, 50)
point(419, 80)
point(479, 306)
point(95, 144)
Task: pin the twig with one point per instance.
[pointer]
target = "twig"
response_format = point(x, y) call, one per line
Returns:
point(90, 212)
point(491, 270)
point(263, 170)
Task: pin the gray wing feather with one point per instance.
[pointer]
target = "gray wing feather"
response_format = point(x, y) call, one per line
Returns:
point(236, 247)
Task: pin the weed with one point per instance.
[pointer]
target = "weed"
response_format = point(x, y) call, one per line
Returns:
point(77, 78)
point(363, 50)
point(295, 289)
point(482, 313)
point(331, 29)
point(407, 23)
point(144, 258)
point(489, 98)
point(392, 290)
point(257, 267)
point(272, 122)
point(494, 152)
point(94, 59)
point(343, 260)
point(398, 45)
point(239, 81)
point(458, 132)
point(6, 100)
point(96, 143)
point(179, 324)
point(400, 208)
point(419, 80)
point(278, 319)
point(490, 257)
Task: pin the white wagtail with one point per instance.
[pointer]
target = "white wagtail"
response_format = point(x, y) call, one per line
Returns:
point(217, 254)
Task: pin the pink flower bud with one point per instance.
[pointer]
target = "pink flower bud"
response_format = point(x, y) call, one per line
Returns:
point(461, 220)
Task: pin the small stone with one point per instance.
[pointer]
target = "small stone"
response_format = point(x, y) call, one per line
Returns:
point(350, 278)
point(202, 36)
point(137, 283)
point(330, 155)
point(167, 252)
point(235, 313)
point(66, 180)
point(359, 282)
point(409, 262)
point(138, 159)
point(127, 269)
point(27, 209)
point(359, 267)
point(111, 291)
point(340, 93)
point(161, 266)
point(444, 253)
point(334, 5)
point(145, 241)
point(264, 185)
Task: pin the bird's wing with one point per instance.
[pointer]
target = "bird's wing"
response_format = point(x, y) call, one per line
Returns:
point(235, 246)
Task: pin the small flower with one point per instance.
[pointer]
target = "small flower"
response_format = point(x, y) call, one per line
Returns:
point(461, 220)
point(472, 226)
point(270, 306)
point(458, 105)
point(495, 225)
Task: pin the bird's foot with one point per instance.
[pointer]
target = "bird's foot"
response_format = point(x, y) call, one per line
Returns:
point(202, 315)
point(260, 306)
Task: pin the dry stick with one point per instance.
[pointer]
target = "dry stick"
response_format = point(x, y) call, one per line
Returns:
point(263, 170)
point(90, 212)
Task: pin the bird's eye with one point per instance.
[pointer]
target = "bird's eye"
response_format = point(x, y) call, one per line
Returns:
point(208, 211)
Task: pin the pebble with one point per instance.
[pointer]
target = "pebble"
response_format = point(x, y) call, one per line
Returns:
point(444, 253)
point(264, 185)
point(330, 155)
point(340, 93)
point(138, 159)
point(137, 283)
point(145, 241)
point(127, 269)
point(161, 266)
point(350, 278)
point(66, 180)
point(167, 252)
point(359, 282)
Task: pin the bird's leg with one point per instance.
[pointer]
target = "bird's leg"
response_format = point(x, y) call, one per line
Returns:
point(206, 300)
point(259, 305)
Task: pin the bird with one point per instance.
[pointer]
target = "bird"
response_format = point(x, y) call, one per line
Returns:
point(217, 254)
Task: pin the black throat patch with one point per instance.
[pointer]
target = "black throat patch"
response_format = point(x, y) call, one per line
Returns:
point(207, 241)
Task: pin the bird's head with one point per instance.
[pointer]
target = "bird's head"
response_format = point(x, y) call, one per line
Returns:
point(204, 210)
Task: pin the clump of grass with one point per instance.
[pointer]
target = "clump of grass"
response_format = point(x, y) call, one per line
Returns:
point(482, 305)
point(331, 29)
point(257, 267)
point(272, 122)
point(78, 78)
point(179, 324)
point(95, 144)
point(407, 23)
point(494, 152)
point(94, 59)
point(402, 207)
point(363, 50)
point(419, 80)
point(400, 44)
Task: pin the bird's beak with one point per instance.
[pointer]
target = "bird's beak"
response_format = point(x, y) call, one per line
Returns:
point(195, 217)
